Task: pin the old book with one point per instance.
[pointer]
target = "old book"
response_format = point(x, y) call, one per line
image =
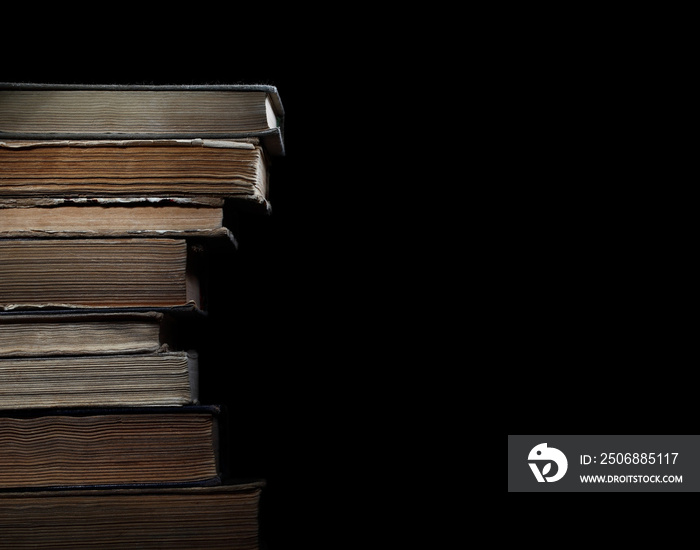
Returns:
point(73, 273)
point(113, 220)
point(64, 111)
point(107, 447)
point(158, 379)
point(226, 516)
point(223, 169)
point(91, 332)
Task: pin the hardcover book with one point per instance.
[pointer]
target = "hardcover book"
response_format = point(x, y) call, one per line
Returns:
point(191, 518)
point(92, 332)
point(155, 379)
point(74, 273)
point(109, 447)
point(65, 111)
point(137, 219)
point(223, 169)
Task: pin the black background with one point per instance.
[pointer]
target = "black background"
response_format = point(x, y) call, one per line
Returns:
point(275, 347)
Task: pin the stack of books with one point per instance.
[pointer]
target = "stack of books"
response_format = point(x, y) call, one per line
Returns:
point(111, 198)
